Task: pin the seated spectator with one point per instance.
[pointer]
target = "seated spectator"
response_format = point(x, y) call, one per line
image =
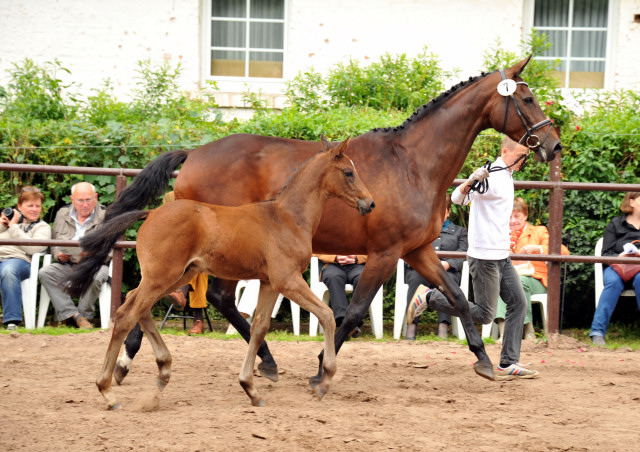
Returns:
point(72, 223)
point(527, 239)
point(621, 230)
point(15, 260)
point(335, 273)
point(196, 290)
point(452, 238)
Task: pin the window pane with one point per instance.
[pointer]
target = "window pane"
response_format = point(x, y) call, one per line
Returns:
point(267, 9)
point(551, 13)
point(228, 63)
point(265, 64)
point(586, 74)
point(558, 40)
point(590, 13)
point(228, 34)
point(266, 35)
point(229, 8)
point(589, 44)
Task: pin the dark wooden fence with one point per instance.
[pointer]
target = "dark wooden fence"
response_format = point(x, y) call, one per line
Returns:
point(555, 186)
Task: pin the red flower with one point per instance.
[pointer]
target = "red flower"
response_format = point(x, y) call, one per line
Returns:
point(549, 102)
point(578, 128)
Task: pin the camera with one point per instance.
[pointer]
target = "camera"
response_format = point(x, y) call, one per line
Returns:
point(8, 212)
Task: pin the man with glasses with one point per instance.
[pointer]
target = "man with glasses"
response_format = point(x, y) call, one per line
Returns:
point(72, 223)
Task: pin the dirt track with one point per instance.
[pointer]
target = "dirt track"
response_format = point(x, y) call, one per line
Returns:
point(386, 396)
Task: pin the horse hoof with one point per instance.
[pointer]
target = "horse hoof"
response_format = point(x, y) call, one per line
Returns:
point(321, 392)
point(484, 369)
point(119, 372)
point(269, 371)
point(114, 407)
point(259, 402)
point(315, 381)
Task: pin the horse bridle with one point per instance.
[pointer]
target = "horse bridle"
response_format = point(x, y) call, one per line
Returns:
point(528, 125)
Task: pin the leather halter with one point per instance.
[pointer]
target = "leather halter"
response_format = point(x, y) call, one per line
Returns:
point(527, 138)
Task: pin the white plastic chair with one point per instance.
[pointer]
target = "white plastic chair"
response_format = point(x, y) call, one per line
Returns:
point(247, 299)
point(541, 300)
point(322, 292)
point(104, 298)
point(30, 293)
point(400, 325)
point(600, 277)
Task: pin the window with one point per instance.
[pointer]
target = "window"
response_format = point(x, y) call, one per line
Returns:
point(247, 38)
point(577, 30)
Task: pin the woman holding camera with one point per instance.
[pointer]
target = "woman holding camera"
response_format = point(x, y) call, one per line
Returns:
point(15, 260)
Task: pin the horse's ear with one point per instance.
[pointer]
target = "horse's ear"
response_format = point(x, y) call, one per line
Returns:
point(340, 148)
point(325, 143)
point(518, 68)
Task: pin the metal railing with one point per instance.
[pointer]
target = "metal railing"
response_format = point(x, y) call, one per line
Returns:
point(554, 258)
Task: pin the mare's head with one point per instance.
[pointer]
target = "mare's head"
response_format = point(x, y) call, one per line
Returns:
point(341, 178)
point(515, 112)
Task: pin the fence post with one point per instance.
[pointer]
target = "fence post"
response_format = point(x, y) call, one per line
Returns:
point(556, 203)
point(118, 260)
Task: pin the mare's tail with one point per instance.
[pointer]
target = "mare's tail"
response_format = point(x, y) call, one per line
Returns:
point(149, 184)
point(98, 244)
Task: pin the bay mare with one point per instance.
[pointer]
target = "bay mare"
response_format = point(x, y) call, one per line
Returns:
point(408, 170)
point(269, 241)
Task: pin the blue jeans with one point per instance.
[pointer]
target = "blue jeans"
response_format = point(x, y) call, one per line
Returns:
point(613, 287)
point(12, 272)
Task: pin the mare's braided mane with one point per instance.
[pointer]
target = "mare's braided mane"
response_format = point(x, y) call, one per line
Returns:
point(431, 105)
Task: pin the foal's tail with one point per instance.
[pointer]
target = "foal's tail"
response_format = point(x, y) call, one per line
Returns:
point(149, 184)
point(98, 244)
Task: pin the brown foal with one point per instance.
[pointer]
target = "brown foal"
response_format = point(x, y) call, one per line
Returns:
point(269, 241)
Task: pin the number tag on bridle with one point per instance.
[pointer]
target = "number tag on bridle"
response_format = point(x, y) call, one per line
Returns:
point(506, 87)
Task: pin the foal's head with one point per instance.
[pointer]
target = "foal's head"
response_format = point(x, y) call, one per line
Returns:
point(342, 180)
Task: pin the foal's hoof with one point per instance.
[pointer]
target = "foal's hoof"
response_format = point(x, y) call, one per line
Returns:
point(114, 406)
point(119, 372)
point(269, 371)
point(321, 392)
point(315, 381)
point(484, 369)
point(259, 402)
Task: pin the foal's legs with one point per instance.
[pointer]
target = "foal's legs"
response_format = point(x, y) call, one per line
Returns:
point(297, 289)
point(221, 294)
point(123, 323)
point(266, 300)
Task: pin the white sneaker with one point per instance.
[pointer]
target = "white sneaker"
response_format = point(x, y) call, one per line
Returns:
point(517, 371)
point(12, 327)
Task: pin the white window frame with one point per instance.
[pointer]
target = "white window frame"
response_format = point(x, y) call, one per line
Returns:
point(612, 32)
point(205, 39)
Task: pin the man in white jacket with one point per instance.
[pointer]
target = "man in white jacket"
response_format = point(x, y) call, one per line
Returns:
point(488, 255)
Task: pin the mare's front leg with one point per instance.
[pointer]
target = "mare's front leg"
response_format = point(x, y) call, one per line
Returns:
point(297, 289)
point(261, 321)
point(425, 261)
point(221, 294)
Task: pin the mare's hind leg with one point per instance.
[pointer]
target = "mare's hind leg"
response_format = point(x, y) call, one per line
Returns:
point(298, 290)
point(262, 319)
point(221, 294)
point(131, 346)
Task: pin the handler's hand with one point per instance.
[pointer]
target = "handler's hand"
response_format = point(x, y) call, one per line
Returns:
point(479, 175)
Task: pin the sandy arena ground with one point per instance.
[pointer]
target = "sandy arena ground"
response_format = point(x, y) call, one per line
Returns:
point(386, 396)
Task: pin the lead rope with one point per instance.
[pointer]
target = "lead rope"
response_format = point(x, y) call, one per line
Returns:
point(483, 185)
